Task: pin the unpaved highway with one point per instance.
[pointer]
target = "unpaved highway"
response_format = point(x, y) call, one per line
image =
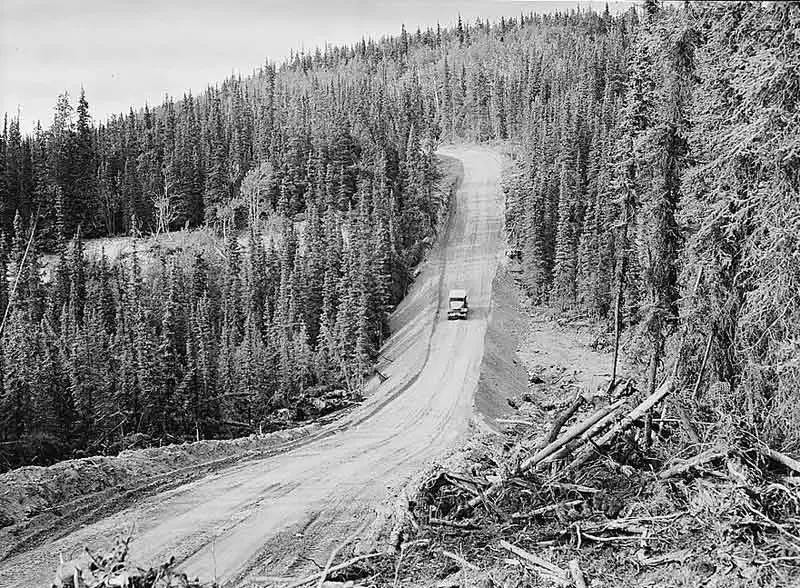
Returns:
point(269, 515)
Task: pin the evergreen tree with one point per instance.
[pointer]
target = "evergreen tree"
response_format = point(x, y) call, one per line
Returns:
point(81, 201)
point(564, 271)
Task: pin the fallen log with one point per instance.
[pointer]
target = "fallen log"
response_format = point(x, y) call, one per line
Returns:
point(780, 458)
point(686, 465)
point(574, 431)
point(584, 438)
point(622, 425)
point(563, 418)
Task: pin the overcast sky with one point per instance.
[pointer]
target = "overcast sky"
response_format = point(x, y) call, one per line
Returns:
point(130, 52)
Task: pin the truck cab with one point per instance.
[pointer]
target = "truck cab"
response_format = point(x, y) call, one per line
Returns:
point(457, 308)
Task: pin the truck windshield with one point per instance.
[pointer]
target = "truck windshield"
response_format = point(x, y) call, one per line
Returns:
point(456, 303)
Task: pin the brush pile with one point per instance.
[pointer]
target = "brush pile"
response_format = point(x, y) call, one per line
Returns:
point(596, 501)
point(111, 569)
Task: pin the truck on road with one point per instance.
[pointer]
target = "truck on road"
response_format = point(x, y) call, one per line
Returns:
point(458, 308)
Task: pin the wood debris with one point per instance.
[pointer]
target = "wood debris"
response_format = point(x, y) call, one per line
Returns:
point(591, 482)
point(112, 569)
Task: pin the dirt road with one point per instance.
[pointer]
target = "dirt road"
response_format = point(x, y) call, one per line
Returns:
point(269, 515)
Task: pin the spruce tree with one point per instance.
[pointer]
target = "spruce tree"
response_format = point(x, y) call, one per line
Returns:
point(168, 361)
point(82, 199)
point(564, 271)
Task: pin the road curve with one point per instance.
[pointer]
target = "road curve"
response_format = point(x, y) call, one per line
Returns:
point(270, 515)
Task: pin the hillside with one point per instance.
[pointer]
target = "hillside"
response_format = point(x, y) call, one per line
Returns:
point(653, 197)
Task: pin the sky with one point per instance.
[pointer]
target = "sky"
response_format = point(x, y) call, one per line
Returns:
point(127, 53)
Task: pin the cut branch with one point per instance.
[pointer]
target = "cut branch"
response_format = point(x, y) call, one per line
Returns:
point(696, 461)
point(545, 509)
point(336, 551)
point(549, 568)
point(460, 560)
point(623, 425)
point(780, 458)
point(564, 417)
point(337, 568)
point(577, 575)
point(455, 524)
point(703, 365)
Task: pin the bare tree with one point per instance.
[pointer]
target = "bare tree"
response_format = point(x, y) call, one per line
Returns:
point(255, 192)
point(164, 205)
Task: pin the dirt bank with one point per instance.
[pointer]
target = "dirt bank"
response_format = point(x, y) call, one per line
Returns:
point(503, 374)
point(32, 497)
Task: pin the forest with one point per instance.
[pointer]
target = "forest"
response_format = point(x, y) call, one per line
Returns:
point(102, 355)
point(655, 191)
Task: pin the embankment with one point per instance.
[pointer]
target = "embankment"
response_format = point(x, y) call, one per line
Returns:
point(33, 496)
point(503, 375)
